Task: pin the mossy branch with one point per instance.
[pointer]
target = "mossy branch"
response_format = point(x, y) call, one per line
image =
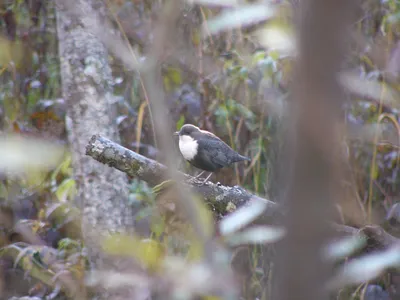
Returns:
point(222, 199)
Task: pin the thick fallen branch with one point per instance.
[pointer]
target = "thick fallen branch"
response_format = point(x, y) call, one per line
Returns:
point(222, 199)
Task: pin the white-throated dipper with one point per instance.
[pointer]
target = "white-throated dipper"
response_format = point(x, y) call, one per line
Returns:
point(206, 151)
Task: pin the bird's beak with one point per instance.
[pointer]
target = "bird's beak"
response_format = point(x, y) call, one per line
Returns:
point(176, 133)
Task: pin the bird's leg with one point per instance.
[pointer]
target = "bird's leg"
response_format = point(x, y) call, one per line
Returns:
point(195, 177)
point(198, 175)
point(205, 180)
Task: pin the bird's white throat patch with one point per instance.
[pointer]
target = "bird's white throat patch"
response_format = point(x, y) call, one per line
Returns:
point(188, 147)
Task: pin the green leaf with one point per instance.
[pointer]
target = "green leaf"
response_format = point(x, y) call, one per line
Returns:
point(375, 171)
point(3, 190)
point(259, 55)
point(68, 244)
point(172, 78)
point(147, 251)
point(157, 227)
point(66, 190)
point(10, 52)
point(180, 122)
point(11, 107)
point(274, 54)
point(175, 76)
point(64, 168)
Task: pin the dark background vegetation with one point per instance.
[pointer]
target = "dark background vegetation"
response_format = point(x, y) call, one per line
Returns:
point(235, 87)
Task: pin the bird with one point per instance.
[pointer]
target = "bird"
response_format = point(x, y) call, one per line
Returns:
point(205, 151)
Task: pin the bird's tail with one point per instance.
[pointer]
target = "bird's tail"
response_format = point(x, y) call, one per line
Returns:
point(241, 158)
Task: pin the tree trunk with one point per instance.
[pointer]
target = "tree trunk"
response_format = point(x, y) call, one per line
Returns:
point(312, 151)
point(87, 88)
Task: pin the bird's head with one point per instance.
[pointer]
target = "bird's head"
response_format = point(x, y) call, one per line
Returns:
point(187, 130)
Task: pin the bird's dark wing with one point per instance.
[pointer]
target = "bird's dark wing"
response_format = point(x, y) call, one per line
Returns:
point(216, 151)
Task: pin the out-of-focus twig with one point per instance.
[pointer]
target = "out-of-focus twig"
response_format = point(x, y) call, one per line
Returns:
point(153, 83)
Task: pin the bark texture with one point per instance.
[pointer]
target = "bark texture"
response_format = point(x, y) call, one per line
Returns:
point(87, 88)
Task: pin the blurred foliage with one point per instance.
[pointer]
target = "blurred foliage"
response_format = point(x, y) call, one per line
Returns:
point(250, 64)
point(147, 251)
